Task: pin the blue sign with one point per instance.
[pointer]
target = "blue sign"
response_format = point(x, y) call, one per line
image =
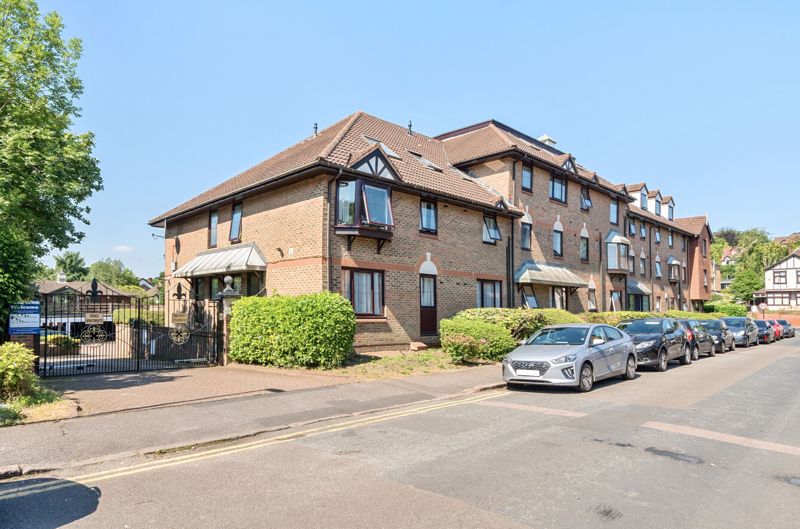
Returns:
point(24, 318)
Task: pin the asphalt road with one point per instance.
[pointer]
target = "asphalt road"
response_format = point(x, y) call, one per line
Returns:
point(711, 445)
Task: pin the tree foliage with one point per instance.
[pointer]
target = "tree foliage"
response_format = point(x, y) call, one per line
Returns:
point(73, 265)
point(18, 267)
point(729, 235)
point(744, 284)
point(113, 272)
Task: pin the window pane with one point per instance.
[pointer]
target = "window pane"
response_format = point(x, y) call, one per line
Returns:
point(527, 177)
point(346, 202)
point(525, 236)
point(377, 295)
point(584, 248)
point(212, 226)
point(362, 292)
point(214, 288)
point(236, 223)
point(376, 201)
point(557, 249)
point(490, 230)
point(613, 212)
point(427, 216)
point(427, 287)
point(613, 256)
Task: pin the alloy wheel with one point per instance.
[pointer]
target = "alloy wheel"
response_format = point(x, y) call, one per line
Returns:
point(630, 368)
point(586, 379)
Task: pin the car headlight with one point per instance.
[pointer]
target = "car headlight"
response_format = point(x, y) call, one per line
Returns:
point(506, 359)
point(644, 345)
point(564, 359)
point(739, 333)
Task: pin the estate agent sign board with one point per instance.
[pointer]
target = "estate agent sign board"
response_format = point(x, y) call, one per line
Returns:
point(24, 318)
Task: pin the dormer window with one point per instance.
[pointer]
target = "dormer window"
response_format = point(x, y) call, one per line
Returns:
point(671, 212)
point(643, 198)
point(375, 164)
point(569, 166)
point(360, 203)
point(658, 208)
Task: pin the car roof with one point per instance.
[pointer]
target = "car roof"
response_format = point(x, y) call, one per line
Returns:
point(572, 325)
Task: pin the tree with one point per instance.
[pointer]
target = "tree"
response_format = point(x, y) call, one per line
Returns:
point(716, 249)
point(113, 272)
point(760, 256)
point(46, 170)
point(44, 272)
point(19, 266)
point(729, 235)
point(751, 237)
point(73, 265)
point(744, 284)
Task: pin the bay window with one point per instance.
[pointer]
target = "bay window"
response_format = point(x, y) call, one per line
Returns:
point(361, 203)
point(364, 289)
point(617, 255)
point(427, 216)
point(489, 293)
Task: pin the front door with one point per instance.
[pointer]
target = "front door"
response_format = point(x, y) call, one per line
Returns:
point(428, 322)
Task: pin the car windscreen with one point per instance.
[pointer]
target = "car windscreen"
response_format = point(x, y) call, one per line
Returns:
point(737, 323)
point(783, 322)
point(559, 336)
point(761, 324)
point(643, 327)
point(712, 325)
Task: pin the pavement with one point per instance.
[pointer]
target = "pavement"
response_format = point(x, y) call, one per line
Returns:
point(712, 445)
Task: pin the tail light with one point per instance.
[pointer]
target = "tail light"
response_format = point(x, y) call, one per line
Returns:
point(689, 334)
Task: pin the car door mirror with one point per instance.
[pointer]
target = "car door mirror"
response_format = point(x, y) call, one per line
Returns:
point(596, 340)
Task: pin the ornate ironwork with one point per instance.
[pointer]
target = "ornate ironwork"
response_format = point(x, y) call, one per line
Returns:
point(94, 292)
point(93, 335)
point(179, 294)
point(179, 334)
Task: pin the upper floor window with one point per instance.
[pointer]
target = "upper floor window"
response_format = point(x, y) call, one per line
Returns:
point(489, 293)
point(642, 265)
point(525, 236)
point(527, 177)
point(558, 243)
point(617, 255)
point(491, 233)
point(658, 235)
point(704, 246)
point(642, 230)
point(427, 216)
point(213, 220)
point(643, 199)
point(673, 272)
point(669, 238)
point(779, 277)
point(613, 212)
point(584, 248)
point(683, 243)
point(359, 203)
point(586, 199)
point(684, 274)
point(631, 264)
point(671, 212)
point(658, 268)
point(705, 278)
point(631, 227)
point(364, 289)
point(658, 208)
point(558, 189)
point(236, 223)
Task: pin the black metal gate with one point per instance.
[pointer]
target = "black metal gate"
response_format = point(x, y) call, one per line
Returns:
point(99, 332)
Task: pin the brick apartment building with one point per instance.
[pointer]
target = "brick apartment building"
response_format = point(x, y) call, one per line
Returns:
point(413, 229)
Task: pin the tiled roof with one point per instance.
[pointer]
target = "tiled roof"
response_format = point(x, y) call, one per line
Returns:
point(48, 287)
point(344, 143)
point(654, 193)
point(693, 225)
point(657, 218)
point(666, 199)
point(635, 187)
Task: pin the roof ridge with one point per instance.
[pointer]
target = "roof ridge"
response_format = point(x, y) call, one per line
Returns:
point(341, 134)
point(500, 132)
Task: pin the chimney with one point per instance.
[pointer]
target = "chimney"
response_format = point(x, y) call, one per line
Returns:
point(61, 277)
point(547, 140)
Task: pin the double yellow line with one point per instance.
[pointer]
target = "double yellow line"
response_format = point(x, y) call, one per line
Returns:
point(89, 479)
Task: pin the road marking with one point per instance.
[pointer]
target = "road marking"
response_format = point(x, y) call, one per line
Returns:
point(88, 479)
point(535, 409)
point(724, 437)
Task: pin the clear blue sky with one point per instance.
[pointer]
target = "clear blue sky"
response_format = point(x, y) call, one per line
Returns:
point(699, 100)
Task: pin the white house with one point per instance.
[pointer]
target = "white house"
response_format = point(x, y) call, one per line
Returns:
point(782, 282)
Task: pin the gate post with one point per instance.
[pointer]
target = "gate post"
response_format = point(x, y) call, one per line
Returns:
point(229, 295)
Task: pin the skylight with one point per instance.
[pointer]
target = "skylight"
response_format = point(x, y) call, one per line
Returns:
point(387, 150)
point(427, 163)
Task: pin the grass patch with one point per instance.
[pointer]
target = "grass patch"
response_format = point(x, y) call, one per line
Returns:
point(396, 364)
point(18, 409)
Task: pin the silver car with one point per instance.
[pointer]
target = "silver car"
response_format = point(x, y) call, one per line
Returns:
point(576, 355)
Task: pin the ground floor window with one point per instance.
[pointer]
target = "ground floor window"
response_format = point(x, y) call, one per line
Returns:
point(639, 302)
point(592, 300)
point(529, 297)
point(658, 303)
point(779, 298)
point(616, 300)
point(364, 289)
point(558, 297)
point(489, 293)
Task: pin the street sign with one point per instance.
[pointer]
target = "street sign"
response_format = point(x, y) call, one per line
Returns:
point(24, 318)
point(762, 306)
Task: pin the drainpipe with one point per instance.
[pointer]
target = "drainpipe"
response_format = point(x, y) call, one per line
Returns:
point(510, 266)
point(651, 265)
point(602, 306)
point(329, 241)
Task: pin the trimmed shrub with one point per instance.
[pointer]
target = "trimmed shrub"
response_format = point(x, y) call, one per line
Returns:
point(684, 315)
point(466, 338)
point(147, 314)
point(520, 322)
point(312, 330)
point(17, 378)
point(613, 318)
point(729, 309)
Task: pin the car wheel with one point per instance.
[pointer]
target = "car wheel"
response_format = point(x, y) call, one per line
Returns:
point(630, 368)
point(695, 353)
point(713, 350)
point(686, 359)
point(733, 346)
point(586, 379)
point(663, 361)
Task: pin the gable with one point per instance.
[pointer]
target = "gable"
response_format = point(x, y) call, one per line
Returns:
point(375, 163)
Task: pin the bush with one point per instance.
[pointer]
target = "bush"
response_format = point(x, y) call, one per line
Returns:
point(520, 322)
point(128, 315)
point(465, 338)
point(729, 309)
point(684, 315)
point(613, 318)
point(17, 378)
point(313, 330)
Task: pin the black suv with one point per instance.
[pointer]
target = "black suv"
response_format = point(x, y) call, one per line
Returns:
point(721, 335)
point(657, 341)
point(788, 330)
point(700, 341)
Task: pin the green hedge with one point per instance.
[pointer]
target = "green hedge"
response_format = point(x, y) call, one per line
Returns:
point(473, 339)
point(683, 315)
point(17, 378)
point(520, 322)
point(127, 315)
point(613, 318)
point(313, 330)
point(729, 309)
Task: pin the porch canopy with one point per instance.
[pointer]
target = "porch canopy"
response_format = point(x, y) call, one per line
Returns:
point(533, 273)
point(229, 260)
point(637, 287)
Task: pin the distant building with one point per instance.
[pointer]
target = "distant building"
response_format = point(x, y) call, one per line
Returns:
point(782, 283)
point(788, 240)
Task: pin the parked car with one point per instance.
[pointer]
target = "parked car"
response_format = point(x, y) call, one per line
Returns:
point(766, 332)
point(575, 355)
point(657, 341)
point(745, 331)
point(788, 328)
point(720, 335)
point(778, 329)
point(698, 338)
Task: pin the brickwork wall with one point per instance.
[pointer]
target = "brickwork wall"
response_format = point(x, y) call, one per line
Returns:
point(697, 263)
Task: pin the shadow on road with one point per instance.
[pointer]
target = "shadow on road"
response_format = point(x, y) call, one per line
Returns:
point(45, 503)
point(544, 388)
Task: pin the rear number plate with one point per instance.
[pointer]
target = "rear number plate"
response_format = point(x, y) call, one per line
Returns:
point(528, 372)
